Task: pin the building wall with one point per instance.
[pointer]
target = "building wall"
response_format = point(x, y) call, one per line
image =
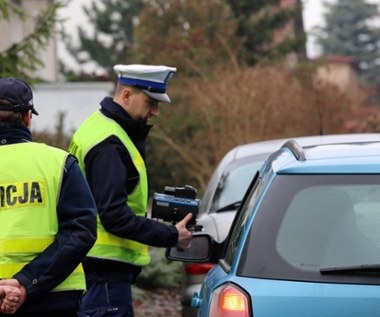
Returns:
point(341, 75)
point(16, 29)
point(75, 100)
point(341, 72)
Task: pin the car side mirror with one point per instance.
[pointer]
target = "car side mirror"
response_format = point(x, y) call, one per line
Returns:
point(198, 251)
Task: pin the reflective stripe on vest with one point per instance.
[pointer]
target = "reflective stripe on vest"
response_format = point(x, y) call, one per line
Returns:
point(108, 246)
point(28, 201)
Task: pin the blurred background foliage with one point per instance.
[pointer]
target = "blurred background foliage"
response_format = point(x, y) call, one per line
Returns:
point(161, 273)
point(22, 59)
point(238, 81)
point(212, 115)
point(350, 30)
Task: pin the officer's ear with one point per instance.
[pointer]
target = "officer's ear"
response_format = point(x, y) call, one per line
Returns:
point(27, 119)
point(122, 95)
point(126, 95)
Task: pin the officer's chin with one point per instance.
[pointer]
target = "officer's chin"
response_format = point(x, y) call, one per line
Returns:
point(146, 121)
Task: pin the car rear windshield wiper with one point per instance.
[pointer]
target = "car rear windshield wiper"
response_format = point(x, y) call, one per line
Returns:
point(232, 206)
point(363, 268)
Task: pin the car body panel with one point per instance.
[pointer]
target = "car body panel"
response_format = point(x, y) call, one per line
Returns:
point(296, 299)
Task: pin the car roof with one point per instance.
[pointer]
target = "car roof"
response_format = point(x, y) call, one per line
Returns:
point(258, 151)
point(360, 156)
point(268, 146)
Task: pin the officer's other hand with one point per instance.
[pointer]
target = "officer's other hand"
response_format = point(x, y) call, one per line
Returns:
point(11, 303)
point(9, 299)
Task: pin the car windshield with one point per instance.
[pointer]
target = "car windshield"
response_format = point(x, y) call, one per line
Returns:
point(233, 185)
point(316, 224)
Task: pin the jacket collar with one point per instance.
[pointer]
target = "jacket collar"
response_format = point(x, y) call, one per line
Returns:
point(11, 133)
point(135, 129)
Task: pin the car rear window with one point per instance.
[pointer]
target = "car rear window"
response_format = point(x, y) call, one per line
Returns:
point(309, 223)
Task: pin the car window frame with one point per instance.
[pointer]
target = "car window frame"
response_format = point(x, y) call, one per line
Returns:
point(233, 238)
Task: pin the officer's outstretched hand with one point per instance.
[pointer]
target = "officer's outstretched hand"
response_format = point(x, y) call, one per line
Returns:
point(184, 234)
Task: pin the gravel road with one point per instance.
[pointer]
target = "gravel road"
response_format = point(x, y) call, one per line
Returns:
point(158, 303)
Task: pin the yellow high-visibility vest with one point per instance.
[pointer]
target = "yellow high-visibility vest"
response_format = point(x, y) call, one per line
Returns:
point(94, 130)
point(30, 183)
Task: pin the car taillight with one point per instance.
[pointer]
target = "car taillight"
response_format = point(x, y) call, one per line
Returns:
point(229, 301)
point(198, 268)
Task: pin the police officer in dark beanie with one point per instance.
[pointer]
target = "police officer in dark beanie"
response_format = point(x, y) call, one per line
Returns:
point(110, 147)
point(47, 215)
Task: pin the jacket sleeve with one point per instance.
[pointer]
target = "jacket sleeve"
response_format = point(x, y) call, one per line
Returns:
point(107, 174)
point(76, 235)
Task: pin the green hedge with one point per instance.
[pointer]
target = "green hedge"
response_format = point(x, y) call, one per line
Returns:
point(160, 273)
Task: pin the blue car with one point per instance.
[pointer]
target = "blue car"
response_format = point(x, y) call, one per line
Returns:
point(305, 240)
point(225, 190)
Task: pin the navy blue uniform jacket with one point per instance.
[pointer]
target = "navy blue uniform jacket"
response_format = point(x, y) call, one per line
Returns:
point(112, 176)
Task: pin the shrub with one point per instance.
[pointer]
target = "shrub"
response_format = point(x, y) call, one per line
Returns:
point(161, 273)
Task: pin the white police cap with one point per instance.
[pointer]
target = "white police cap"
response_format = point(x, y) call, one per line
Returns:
point(153, 80)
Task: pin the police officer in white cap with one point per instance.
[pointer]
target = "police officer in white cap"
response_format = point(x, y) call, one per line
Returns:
point(110, 146)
